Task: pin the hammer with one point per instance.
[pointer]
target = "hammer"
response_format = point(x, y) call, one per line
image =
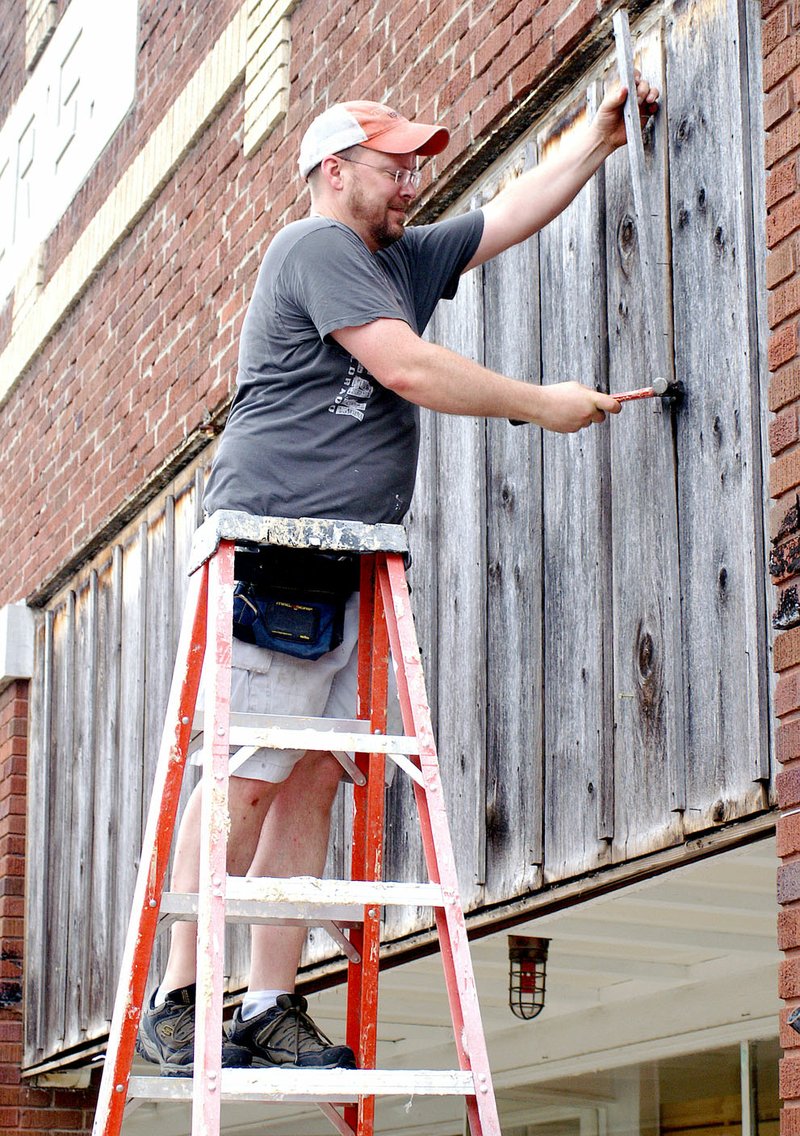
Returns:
point(659, 388)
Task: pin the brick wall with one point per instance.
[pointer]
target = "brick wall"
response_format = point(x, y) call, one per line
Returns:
point(781, 49)
point(24, 1109)
point(147, 357)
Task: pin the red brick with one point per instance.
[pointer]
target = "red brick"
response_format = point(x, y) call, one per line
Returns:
point(787, 738)
point(781, 62)
point(784, 139)
point(784, 474)
point(780, 264)
point(50, 1119)
point(789, 1077)
point(784, 386)
point(790, 1121)
point(787, 785)
point(573, 26)
point(777, 105)
point(775, 30)
point(788, 836)
point(783, 430)
point(781, 182)
point(788, 890)
point(788, 928)
point(783, 219)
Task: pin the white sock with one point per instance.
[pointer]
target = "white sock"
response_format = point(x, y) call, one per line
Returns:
point(257, 1001)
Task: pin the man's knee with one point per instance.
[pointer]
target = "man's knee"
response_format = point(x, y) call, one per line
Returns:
point(317, 774)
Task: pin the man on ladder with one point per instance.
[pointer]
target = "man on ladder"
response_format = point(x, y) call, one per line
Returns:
point(324, 424)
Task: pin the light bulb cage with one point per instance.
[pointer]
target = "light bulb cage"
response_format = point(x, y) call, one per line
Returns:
point(527, 972)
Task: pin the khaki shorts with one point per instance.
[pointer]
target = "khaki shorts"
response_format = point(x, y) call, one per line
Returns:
point(268, 682)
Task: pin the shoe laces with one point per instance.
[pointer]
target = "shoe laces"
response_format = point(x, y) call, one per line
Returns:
point(305, 1029)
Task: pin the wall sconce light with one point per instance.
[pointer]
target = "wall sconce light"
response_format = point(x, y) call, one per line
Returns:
point(527, 966)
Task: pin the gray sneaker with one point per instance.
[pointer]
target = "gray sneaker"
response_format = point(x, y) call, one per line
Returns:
point(166, 1036)
point(285, 1035)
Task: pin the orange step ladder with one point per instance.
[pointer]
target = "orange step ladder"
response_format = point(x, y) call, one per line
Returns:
point(386, 621)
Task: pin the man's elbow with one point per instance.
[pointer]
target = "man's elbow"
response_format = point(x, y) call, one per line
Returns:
point(403, 378)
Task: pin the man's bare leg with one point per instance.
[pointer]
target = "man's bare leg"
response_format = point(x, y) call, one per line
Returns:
point(249, 802)
point(293, 842)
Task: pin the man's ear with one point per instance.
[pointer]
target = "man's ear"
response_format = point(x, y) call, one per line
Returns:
point(330, 171)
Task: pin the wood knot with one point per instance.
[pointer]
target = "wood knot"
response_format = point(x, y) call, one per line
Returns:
point(683, 132)
point(646, 654)
point(626, 239)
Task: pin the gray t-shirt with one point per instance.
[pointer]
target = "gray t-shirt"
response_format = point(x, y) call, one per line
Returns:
point(311, 433)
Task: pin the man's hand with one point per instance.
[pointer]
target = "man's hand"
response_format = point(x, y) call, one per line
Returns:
point(568, 407)
point(609, 122)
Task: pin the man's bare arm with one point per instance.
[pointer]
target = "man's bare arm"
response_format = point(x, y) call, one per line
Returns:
point(537, 196)
point(439, 379)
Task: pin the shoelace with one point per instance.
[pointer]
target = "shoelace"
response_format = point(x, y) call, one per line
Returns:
point(301, 1019)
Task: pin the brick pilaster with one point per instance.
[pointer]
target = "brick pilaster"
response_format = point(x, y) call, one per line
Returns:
point(781, 48)
point(24, 1109)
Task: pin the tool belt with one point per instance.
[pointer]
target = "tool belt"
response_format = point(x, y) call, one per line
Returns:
point(293, 600)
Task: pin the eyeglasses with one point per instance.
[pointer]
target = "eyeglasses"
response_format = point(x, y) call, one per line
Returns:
point(401, 178)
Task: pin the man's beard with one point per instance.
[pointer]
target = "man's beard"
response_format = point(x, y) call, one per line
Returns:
point(383, 231)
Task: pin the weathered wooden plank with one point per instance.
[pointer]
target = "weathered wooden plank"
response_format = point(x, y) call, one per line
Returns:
point(719, 450)
point(461, 618)
point(514, 725)
point(60, 821)
point(101, 966)
point(37, 852)
point(404, 854)
point(82, 771)
point(649, 777)
point(577, 585)
point(133, 588)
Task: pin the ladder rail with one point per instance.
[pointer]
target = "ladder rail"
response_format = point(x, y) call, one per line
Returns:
point(213, 851)
point(161, 818)
point(459, 976)
point(368, 828)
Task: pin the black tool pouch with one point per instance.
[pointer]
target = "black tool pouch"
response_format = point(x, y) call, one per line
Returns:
point(293, 600)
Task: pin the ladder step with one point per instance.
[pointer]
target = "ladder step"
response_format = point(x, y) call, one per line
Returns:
point(282, 731)
point(300, 532)
point(335, 1086)
point(305, 900)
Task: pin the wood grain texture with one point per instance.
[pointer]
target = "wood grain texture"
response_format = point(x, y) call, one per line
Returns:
point(649, 769)
point(514, 726)
point(460, 555)
point(576, 570)
point(719, 452)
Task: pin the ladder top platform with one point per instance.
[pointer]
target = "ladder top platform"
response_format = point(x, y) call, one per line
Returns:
point(293, 532)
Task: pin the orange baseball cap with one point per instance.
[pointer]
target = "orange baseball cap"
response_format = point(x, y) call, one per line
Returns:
point(373, 125)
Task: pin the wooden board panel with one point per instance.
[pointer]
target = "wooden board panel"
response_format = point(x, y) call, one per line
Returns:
point(81, 787)
point(719, 452)
point(514, 782)
point(403, 846)
point(37, 849)
point(649, 775)
point(577, 582)
point(133, 585)
point(59, 820)
point(108, 792)
point(460, 551)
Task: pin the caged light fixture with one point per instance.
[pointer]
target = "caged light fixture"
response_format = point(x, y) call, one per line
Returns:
point(527, 966)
